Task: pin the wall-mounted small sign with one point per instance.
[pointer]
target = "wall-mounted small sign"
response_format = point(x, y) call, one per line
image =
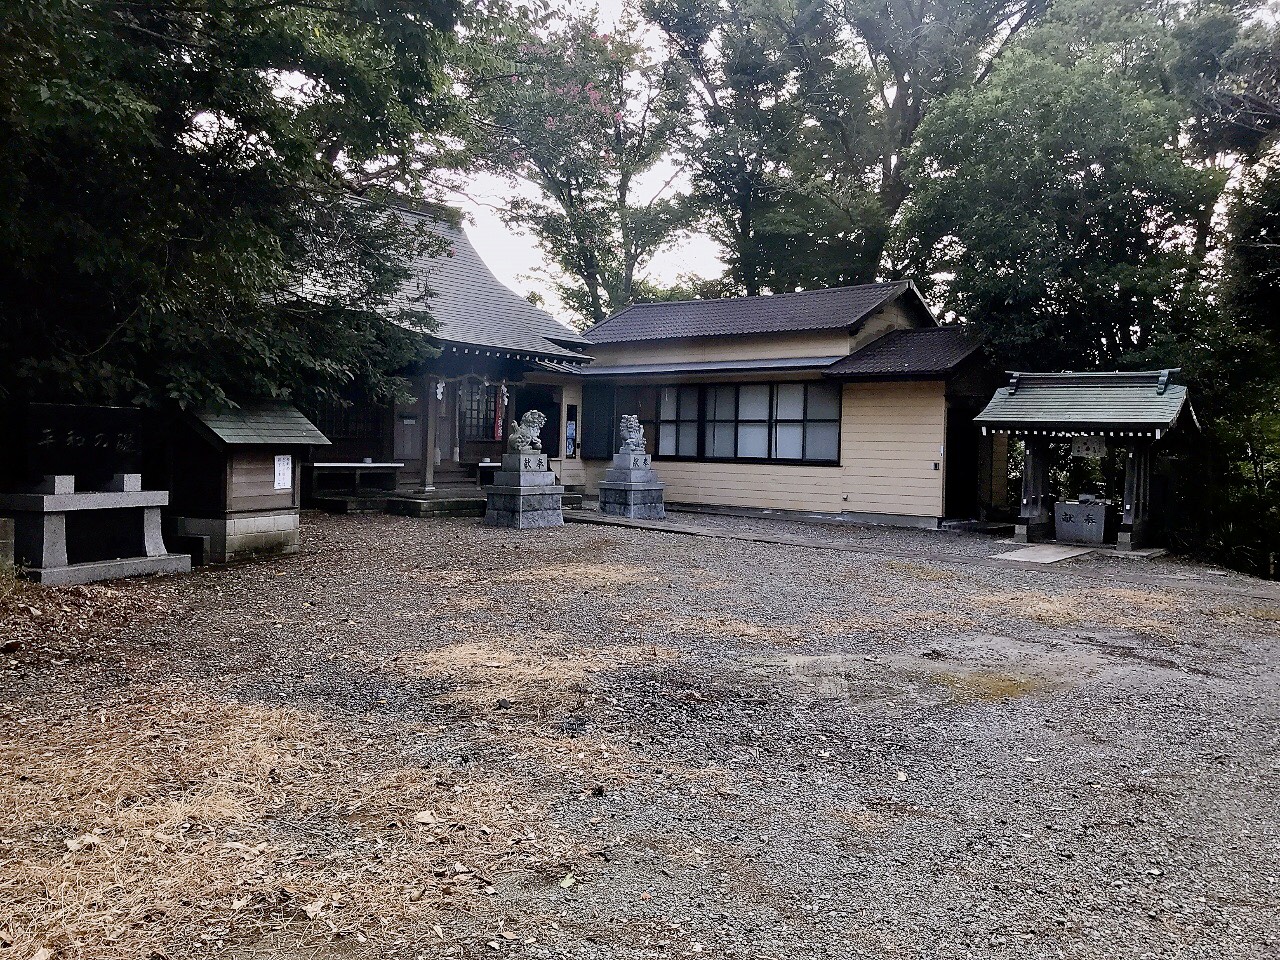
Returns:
point(284, 472)
point(571, 431)
point(1092, 448)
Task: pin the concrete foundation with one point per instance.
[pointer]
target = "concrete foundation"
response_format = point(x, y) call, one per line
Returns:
point(239, 537)
point(524, 494)
point(6, 545)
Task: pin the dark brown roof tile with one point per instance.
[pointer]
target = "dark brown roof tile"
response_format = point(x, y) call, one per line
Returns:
point(837, 308)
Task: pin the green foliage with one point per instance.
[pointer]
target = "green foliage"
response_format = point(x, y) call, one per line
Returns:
point(582, 115)
point(803, 111)
point(1053, 210)
point(778, 152)
point(176, 215)
point(1232, 359)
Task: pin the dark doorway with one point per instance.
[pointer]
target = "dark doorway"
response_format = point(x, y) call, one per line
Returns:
point(543, 399)
point(960, 492)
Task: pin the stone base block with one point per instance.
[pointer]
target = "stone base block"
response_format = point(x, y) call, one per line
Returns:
point(636, 501)
point(521, 507)
point(110, 569)
point(524, 519)
point(1037, 532)
point(524, 478)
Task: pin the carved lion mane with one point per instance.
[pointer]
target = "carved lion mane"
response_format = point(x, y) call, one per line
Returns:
point(632, 433)
point(527, 433)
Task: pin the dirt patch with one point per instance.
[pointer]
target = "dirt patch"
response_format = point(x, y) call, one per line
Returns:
point(1265, 614)
point(918, 571)
point(984, 686)
point(1120, 608)
point(538, 674)
point(585, 575)
point(238, 824)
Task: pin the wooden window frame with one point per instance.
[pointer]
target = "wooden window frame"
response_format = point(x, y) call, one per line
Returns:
point(705, 423)
point(480, 409)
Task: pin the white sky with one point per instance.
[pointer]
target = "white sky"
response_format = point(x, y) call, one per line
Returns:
point(517, 261)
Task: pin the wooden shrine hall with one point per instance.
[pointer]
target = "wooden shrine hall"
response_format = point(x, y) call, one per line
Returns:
point(1090, 411)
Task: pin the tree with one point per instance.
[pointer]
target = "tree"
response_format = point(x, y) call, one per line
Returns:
point(1054, 202)
point(177, 223)
point(745, 62)
point(805, 109)
point(920, 52)
point(583, 116)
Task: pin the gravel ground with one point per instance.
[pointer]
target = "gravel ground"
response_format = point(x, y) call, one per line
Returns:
point(956, 544)
point(431, 738)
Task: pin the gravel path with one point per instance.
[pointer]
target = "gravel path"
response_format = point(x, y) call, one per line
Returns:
point(431, 738)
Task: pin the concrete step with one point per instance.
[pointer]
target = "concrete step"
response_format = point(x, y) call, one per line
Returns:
point(350, 503)
point(437, 506)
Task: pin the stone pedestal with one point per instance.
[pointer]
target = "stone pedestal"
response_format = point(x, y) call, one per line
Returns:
point(631, 488)
point(6, 547)
point(62, 536)
point(524, 494)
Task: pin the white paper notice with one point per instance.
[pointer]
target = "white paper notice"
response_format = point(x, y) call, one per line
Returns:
point(284, 472)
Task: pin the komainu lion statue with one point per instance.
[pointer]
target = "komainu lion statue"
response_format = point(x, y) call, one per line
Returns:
point(526, 435)
point(632, 434)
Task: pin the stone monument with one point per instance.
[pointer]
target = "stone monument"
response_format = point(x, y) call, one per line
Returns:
point(524, 493)
point(76, 501)
point(630, 487)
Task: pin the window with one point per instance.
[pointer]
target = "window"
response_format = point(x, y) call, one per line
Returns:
point(678, 422)
point(786, 422)
point(641, 402)
point(479, 411)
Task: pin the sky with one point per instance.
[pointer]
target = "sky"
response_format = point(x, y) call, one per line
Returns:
point(515, 257)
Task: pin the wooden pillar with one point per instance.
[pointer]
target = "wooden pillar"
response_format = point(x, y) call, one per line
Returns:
point(1035, 519)
point(456, 399)
point(430, 408)
point(1137, 496)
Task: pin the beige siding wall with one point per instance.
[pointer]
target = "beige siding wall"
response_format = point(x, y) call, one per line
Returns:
point(829, 343)
point(891, 436)
point(890, 317)
point(570, 469)
point(890, 440)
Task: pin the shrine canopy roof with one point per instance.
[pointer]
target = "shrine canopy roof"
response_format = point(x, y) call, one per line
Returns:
point(1140, 404)
point(261, 424)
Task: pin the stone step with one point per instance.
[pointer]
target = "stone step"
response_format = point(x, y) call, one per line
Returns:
point(437, 507)
point(350, 503)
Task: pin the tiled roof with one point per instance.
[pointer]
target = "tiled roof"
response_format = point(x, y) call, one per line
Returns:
point(1141, 401)
point(837, 308)
point(473, 307)
point(273, 424)
point(930, 352)
point(695, 366)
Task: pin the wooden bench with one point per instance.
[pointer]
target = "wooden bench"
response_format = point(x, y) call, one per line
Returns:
point(353, 476)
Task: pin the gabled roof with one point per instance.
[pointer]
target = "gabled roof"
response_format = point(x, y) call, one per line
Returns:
point(909, 354)
point(474, 308)
point(1143, 402)
point(271, 424)
point(837, 308)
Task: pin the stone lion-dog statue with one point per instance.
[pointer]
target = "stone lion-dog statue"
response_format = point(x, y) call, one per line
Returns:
point(632, 434)
point(526, 434)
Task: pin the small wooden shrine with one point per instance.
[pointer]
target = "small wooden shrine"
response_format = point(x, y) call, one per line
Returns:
point(235, 481)
point(1088, 410)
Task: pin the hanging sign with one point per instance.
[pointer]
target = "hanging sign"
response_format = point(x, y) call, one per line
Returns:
point(1091, 448)
point(284, 472)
